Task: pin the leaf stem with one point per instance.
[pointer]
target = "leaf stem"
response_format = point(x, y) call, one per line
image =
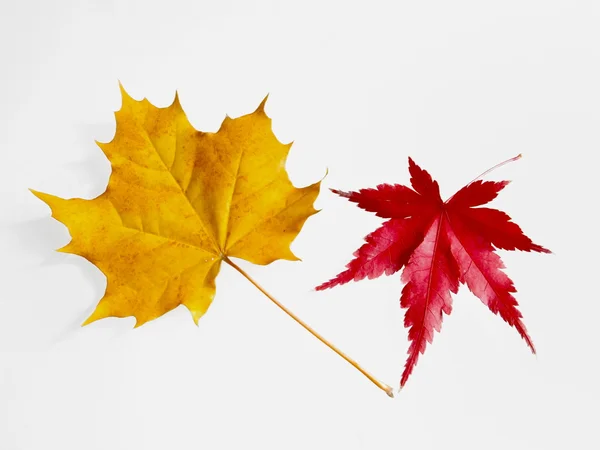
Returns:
point(384, 387)
point(514, 158)
point(481, 175)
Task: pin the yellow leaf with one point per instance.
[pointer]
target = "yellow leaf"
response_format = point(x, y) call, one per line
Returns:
point(179, 201)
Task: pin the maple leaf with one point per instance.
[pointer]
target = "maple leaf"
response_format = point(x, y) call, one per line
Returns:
point(178, 203)
point(181, 201)
point(439, 244)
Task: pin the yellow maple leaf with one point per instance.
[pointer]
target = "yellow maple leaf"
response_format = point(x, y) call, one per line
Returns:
point(178, 202)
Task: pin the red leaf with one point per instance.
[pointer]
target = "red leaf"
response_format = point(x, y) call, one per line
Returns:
point(439, 244)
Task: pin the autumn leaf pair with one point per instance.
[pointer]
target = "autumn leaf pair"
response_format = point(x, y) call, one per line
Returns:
point(179, 202)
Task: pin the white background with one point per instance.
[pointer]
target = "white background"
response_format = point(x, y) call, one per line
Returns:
point(458, 85)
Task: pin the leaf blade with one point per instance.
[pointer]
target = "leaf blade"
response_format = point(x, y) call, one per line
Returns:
point(159, 232)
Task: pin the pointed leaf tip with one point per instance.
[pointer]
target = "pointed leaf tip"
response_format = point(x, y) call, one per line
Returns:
point(46, 198)
point(176, 99)
point(125, 97)
point(341, 193)
point(89, 320)
point(122, 90)
point(261, 107)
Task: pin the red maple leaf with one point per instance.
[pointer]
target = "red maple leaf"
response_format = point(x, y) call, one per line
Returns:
point(439, 244)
